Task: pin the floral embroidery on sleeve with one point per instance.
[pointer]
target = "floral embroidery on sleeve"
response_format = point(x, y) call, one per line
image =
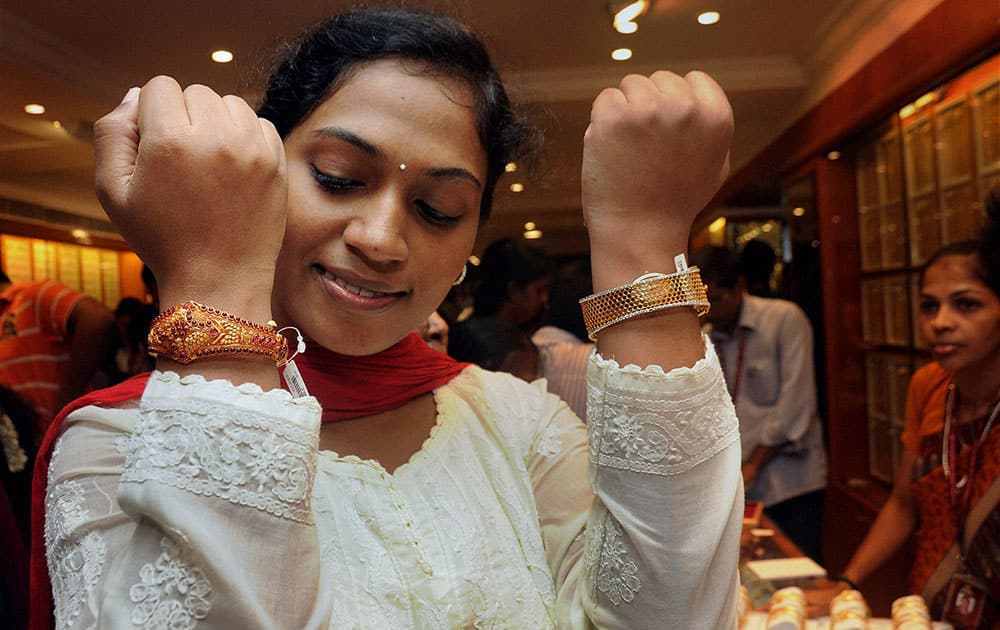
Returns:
point(75, 561)
point(612, 570)
point(171, 592)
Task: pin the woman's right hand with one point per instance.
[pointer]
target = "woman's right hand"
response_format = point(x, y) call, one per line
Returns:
point(197, 185)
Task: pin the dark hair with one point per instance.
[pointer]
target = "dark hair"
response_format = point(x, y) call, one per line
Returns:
point(718, 266)
point(4, 278)
point(325, 58)
point(486, 341)
point(504, 261)
point(572, 281)
point(757, 259)
point(984, 252)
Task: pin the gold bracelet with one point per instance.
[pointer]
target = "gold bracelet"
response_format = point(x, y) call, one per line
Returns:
point(646, 294)
point(192, 331)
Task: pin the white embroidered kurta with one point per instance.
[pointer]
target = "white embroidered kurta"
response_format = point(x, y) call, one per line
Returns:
point(206, 505)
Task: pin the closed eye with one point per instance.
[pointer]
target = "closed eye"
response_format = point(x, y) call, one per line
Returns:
point(433, 216)
point(332, 183)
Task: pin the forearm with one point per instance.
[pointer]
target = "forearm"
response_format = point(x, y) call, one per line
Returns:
point(243, 300)
point(187, 488)
point(670, 503)
point(759, 457)
point(893, 526)
point(670, 338)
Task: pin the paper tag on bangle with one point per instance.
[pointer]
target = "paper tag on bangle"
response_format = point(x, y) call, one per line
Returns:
point(681, 263)
point(294, 380)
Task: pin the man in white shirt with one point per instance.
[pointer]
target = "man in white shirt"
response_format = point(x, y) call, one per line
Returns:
point(766, 348)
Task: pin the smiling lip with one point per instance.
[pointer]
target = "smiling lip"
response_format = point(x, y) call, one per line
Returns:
point(355, 291)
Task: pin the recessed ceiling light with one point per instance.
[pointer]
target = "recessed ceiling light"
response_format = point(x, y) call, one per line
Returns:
point(799, 212)
point(621, 54)
point(533, 234)
point(511, 167)
point(516, 187)
point(833, 155)
point(222, 56)
point(708, 17)
point(530, 225)
point(624, 20)
point(474, 260)
point(34, 109)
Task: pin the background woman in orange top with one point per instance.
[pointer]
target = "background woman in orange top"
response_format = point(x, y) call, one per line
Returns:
point(947, 487)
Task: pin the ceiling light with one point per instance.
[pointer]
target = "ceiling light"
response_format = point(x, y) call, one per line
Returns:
point(767, 227)
point(516, 187)
point(799, 212)
point(530, 225)
point(833, 155)
point(621, 54)
point(222, 56)
point(34, 109)
point(624, 20)
point(708, 17)
point(474, 260)
point(80, 235)
point(532, 234)
point(511, 167)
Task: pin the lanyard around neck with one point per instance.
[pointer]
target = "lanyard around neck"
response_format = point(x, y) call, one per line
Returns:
point(738, 377)
point(960, 490)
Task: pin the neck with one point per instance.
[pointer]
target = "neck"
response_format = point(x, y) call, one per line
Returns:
point(977, 385)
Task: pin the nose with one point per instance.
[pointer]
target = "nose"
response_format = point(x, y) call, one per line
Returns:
point(376, 233)
point(943, 319)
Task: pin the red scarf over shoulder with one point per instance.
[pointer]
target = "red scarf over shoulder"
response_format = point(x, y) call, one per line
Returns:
point(346, 387)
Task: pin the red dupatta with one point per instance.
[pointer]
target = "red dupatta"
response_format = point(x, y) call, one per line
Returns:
point(346, 387)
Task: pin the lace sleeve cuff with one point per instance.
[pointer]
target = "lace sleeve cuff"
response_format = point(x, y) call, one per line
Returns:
point(240, 444)
point(656, 422)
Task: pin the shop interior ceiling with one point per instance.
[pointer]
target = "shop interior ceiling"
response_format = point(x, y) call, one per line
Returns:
point(775, 59)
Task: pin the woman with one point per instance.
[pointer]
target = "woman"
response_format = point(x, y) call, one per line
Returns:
point(947, 487)
point(432, 495)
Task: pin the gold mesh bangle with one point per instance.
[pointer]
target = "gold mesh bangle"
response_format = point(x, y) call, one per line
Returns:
point(646, 294)
point(191, 331)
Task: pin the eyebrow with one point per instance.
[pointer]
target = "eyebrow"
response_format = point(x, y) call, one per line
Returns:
point(339, 133)
point(460, 173)
point(349, 137)
point(952, 295)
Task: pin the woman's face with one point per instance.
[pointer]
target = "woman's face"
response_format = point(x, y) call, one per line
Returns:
point(959, 315)
point(384, 184)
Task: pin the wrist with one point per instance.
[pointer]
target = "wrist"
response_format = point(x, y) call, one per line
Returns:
point(620, 260)
point(844, 579)
point(252, 306)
